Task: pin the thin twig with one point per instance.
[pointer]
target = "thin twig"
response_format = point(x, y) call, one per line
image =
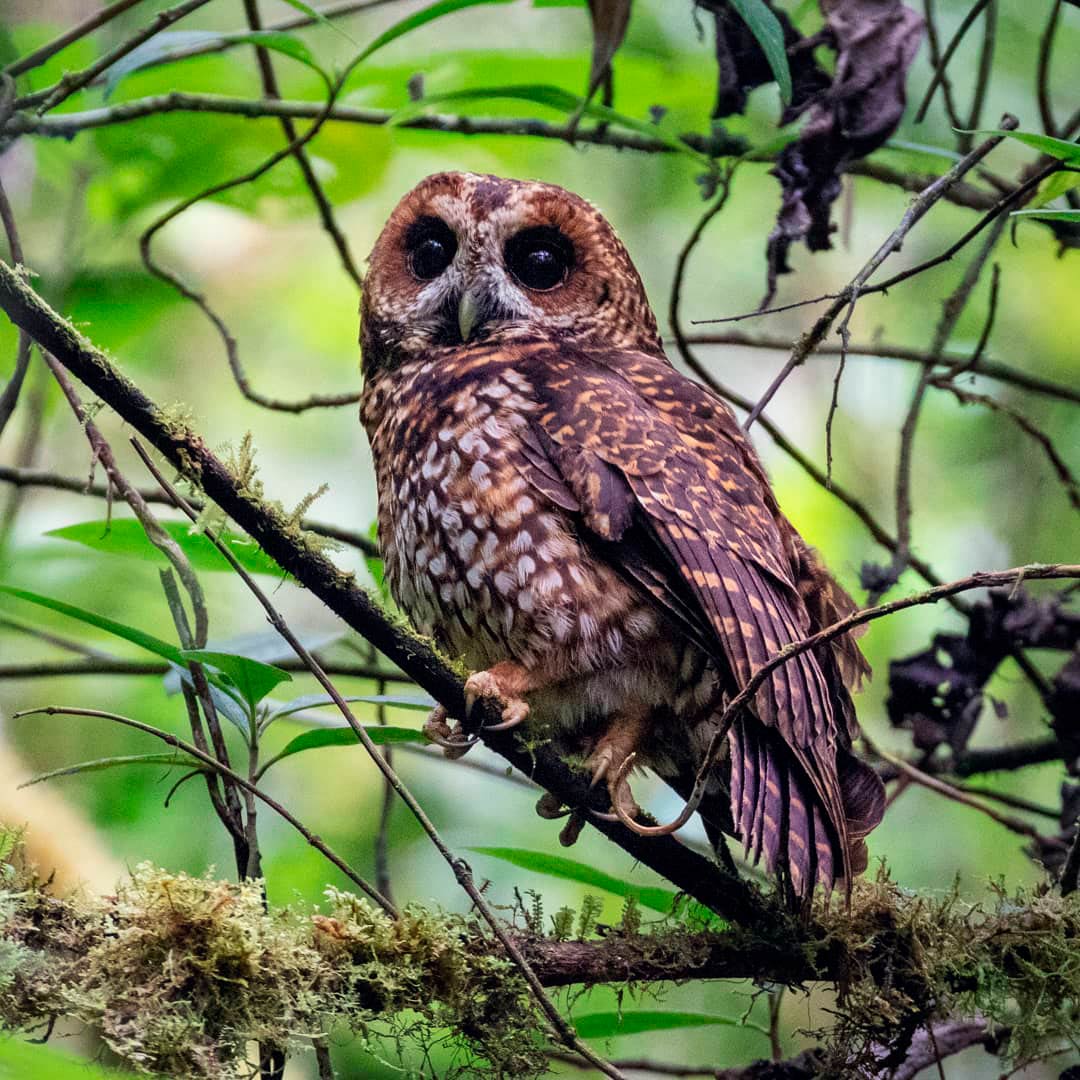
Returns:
point(1028, 427)
point(846, 299)
point(982, 79)
point(940, 787)
point(9, 398)
point(72, 82)
point(200, 300)
point(952, 308)
point(78, 486)
point(101, 664)
point(939, 71)
point(1042, 71)
point(322, 203)
point(991, 369)
point(69, 37)
point(934, 43)
point(211, 762)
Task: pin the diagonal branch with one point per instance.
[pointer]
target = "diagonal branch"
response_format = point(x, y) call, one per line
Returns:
point(185, 449)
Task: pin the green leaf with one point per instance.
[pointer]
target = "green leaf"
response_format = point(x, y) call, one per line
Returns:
point(766, 28)
point(1048, 215)
point(552, 97)
point(125, 536)
point(540, 862)
point(21, 1060)
point(419, 18)
point(110, 626)
point(1058, 148)
point(100, 764)
point(1054, 186)
point(319, 17)
point(380, 735)
point(174, 44)
point(252, 679)
point(607, 1025)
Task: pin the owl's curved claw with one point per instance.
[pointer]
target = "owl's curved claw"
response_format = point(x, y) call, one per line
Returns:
point(486, 684)
point(438, 731)
point(653, 830)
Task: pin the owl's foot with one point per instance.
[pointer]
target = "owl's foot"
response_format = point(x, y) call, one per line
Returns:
point(453, 740)
point(611, 759)
point(505, 682)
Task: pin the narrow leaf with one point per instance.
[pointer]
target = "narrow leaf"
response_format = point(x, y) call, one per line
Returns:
point(125, 536)
point(100, 764)
point(419, 18)
point(252, 678)
point(110, 626)
point(606, 1025)
point(1048, 215)
point(540, 862)
point(318, 17)
point(1058, 148)
point(1054, 186)
point(380, 735)
point(766, 28)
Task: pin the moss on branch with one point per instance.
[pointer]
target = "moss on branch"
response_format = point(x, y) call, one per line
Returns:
point(180, 974)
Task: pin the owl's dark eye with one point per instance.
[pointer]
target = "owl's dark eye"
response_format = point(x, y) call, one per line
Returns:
point(431, 245)
point(540, 258)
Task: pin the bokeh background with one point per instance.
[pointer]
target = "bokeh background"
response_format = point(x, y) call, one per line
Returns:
point(984, 496)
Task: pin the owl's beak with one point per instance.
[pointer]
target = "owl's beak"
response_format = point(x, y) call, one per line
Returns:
point(468, 314)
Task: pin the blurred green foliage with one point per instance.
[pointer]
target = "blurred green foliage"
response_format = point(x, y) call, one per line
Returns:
point(985, 496)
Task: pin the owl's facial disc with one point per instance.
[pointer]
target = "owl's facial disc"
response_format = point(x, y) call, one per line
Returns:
point(467, 258)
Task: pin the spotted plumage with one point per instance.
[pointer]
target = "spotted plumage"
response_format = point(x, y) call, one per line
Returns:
point(590, 530)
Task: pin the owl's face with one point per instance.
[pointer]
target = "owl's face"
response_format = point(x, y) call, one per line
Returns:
point(467, 258)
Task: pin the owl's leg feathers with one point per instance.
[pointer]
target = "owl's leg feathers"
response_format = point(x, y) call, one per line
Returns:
point(506, 682)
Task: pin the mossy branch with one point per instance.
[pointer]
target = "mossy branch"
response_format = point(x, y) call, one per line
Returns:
point(180, 973)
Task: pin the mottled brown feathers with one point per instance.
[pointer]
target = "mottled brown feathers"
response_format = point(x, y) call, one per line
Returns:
point(557, 500)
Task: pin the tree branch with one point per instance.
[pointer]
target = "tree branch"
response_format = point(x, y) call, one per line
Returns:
point(687, 870)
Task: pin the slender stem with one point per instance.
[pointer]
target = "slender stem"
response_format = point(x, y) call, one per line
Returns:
point(211, 762)
point(69, 37)
point(71, 83)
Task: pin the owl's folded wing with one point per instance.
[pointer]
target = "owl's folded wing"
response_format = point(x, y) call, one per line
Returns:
point(657, 468)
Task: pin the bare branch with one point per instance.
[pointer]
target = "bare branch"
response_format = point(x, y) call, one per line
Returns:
point(991, 369)
point(72, 82)
point(322, 203)
point(79, 30)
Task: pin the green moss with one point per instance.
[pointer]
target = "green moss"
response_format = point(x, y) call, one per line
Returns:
point(912, 959)
point(180, 973)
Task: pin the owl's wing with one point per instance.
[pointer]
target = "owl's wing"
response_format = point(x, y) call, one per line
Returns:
point(658, 468)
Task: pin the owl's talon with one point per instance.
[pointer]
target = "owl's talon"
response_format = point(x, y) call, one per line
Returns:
point(551, 807)
point(485, 684)
point(570, 832)
point(438, 730)
point(619, 785)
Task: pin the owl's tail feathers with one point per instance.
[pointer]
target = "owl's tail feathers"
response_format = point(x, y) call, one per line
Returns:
point(780, 817)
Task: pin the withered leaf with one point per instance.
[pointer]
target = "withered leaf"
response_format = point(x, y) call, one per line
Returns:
point(875, 42)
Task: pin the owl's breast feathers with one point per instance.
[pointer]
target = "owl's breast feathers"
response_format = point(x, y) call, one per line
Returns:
point(669, 498)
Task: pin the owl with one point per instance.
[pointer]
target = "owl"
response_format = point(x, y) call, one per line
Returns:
point(591, 531)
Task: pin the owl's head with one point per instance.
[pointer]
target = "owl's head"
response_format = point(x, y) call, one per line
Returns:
point(468, 258)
